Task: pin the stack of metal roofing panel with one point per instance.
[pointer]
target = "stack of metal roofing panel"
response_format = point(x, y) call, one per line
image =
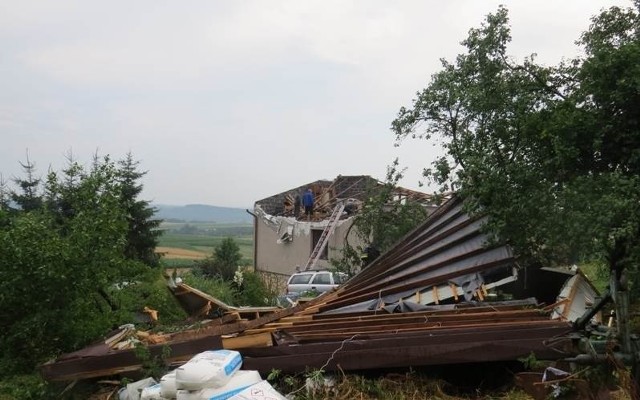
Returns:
point(378, 318)
point(448, 249)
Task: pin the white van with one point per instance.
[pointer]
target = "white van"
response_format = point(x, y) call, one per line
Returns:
point(310, 281)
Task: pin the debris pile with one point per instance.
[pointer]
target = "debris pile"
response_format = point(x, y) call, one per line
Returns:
point(443, 295)
point(352, 190)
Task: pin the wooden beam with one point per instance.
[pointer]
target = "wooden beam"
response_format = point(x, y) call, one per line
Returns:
point(246, 341)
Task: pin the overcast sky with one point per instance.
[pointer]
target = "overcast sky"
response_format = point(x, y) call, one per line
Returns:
point(228, 102)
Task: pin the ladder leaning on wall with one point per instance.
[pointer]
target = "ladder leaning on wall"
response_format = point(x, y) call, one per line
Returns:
point(324, 238)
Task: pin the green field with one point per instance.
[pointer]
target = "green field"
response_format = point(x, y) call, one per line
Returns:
point(204, 237)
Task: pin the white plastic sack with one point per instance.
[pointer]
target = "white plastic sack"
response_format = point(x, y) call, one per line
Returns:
point(151, 393)
point(168, 385)
point(208, 369)
point(260, 391)
point(132, 390)
point(238, 382)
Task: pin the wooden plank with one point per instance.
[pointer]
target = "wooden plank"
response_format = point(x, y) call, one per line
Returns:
point(399, 327)
point(246, 341)
point(408, 317)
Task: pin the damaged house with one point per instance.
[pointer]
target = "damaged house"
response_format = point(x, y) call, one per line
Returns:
point(284, 240)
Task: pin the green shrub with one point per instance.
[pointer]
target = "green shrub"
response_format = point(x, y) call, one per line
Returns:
point(252, 290)
point(148, 290)
point(25, 387)
point(224, 262)
point(215, 287)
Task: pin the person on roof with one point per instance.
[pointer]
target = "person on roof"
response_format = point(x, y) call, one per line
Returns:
point(307, 202)
point(297, 201)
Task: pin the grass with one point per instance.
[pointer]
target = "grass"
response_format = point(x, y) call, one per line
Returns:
point(204, 237)
point(597, 273)
point(391, 386)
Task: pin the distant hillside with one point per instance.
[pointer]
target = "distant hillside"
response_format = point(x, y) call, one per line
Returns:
point(202, 213)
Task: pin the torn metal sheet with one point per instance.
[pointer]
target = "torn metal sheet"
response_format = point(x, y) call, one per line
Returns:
point(448, 256)
point(576, 297)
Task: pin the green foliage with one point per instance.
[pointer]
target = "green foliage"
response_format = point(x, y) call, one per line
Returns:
point(62, 260)
point(551, 154)
point(531, 362)
point(28, 198)
point(214, 286)
point(274, 374)
point(251, 290)
point(25, 387)
point(224, 262)
point(142, 236)
point(148, 289)
point(153, 365)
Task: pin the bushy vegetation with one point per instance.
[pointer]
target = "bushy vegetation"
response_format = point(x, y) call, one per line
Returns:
point(549, 153)
point(222, 272)
point(72, 247)
point(77, 255)
point(223, 263)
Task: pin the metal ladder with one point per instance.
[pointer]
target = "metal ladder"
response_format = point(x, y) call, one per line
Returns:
point(324, 238)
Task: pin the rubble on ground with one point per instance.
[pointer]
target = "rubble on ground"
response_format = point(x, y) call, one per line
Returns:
point(443, 295)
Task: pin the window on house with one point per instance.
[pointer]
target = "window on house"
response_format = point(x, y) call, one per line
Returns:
point(315, 237)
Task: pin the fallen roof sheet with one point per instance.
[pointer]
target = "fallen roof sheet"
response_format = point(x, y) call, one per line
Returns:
point(448, 248)
point(422, 347)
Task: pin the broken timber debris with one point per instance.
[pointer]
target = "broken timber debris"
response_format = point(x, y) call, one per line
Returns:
point(424, 302)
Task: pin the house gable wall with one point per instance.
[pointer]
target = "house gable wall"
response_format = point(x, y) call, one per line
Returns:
point(282, 258)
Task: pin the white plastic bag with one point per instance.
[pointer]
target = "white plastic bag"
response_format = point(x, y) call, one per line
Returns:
point(168, 385)
point(208, 369)
point(238, 382)
point(151, 393)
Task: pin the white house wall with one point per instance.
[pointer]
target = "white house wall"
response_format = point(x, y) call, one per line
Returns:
point(276, 253)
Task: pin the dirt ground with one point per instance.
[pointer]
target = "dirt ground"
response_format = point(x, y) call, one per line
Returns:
point(177, 253)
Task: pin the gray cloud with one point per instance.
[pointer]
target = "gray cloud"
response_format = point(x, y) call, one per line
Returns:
point(229, 102)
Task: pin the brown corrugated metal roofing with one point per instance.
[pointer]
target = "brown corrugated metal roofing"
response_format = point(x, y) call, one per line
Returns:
point(370, 323)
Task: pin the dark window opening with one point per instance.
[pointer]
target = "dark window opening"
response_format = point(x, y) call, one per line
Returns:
point(315, 237)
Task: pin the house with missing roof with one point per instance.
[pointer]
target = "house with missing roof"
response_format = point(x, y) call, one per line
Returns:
point(284, 240)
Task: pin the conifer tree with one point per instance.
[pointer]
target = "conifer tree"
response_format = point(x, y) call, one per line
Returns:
point(28, 199)
point(143, 234)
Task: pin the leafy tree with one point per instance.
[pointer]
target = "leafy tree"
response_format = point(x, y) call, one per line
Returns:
point(551, 154)
point(54, 271)
point(143, 234)
point(224, 261)
point(62, 190)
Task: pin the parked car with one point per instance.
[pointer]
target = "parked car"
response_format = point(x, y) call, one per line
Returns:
point(310, 281)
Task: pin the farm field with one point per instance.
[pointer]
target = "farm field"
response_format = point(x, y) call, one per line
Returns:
point(182, 243)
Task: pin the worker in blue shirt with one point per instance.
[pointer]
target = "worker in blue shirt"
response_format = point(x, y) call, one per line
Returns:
point(307, 202)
